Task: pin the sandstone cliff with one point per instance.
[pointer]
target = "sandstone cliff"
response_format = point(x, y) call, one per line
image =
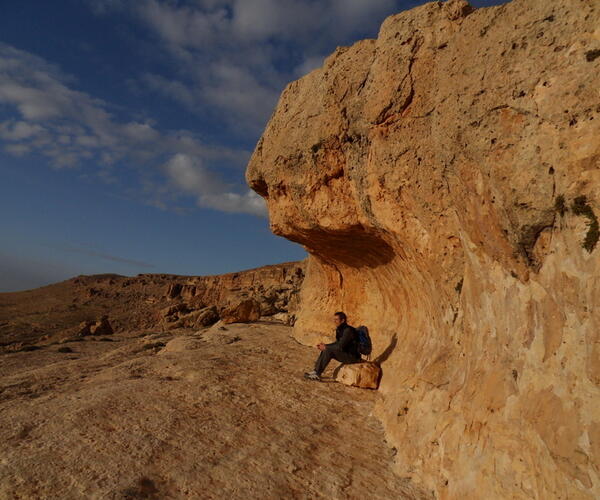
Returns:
point(445, 180)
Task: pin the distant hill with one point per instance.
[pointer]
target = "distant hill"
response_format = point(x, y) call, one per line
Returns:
point(135, 303)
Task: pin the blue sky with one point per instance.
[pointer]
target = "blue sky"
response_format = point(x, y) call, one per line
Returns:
point(125, 128)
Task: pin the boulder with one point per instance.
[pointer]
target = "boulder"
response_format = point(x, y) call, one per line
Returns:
point(199, 319)
point(241, 312)
point(172, 311)
point(267, 309)
point(270, 302)
point(285, 317)
point(180, 316)
point(102, 327)
point(365, 374)
point(84, 328)
point(173, 324)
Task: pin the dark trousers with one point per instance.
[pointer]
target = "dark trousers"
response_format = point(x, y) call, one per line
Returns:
point(328, 353)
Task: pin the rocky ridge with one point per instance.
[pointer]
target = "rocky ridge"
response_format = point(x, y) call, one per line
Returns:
point(76, 307)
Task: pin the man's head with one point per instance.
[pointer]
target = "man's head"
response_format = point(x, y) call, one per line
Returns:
point(339, 318)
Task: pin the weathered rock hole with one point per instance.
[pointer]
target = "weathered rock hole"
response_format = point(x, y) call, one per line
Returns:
point(260, 186)
point(592, 55)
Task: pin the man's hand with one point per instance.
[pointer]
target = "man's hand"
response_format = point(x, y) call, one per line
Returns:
point(321, 346)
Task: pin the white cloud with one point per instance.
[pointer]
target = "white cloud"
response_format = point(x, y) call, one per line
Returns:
point(248, 202)
point(17, 149)
point(309, 64)
point(232, 58)
point(227, 22)
point(171, 88)
point(182, 25)
point(71, 128)
point(237, 90)
point(189, 174)
point(12, 130)
point(287, 19)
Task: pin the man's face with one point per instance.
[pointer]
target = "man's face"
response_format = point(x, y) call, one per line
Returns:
point(337, 320)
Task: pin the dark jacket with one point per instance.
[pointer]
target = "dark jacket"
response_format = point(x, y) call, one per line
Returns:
point(346, 339)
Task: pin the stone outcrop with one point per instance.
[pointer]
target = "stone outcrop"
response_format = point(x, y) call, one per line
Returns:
point(101, 327)
point(183, 316)
point(183, 416)
point(365, 375)
point(241, 312)
point(445, 180)
point(204, 317)
point(89, 327)
point(275, 287)
point(84, 329)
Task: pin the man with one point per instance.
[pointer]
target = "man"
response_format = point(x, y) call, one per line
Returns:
point(344, 349)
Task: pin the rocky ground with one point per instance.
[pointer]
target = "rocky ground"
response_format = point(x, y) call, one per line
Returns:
point(216, 413)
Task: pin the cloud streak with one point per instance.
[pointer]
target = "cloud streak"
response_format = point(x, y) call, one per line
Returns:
point(70, 128)
point(105, 256)
point(232, 58)
point(189, 174)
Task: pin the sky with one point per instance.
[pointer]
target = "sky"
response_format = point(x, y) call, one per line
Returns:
point(126, 127)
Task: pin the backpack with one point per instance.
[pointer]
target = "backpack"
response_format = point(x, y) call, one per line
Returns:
point(364, 341)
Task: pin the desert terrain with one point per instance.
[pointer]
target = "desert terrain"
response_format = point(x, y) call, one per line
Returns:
point(222, 412)
point(444, 178)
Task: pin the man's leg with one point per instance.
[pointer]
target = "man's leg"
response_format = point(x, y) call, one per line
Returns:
point(345, 357)
point(328, 353)
point(323, 360)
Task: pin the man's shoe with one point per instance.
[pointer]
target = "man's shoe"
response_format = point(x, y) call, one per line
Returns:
point(312, 376)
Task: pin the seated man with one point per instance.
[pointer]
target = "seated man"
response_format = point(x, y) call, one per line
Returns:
point(344, 349)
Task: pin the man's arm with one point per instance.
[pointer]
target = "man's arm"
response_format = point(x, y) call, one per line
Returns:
point(333, 344)
point(343, 342)
point(346, 338)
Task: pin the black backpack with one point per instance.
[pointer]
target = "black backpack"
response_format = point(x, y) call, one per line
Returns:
point(364, 341)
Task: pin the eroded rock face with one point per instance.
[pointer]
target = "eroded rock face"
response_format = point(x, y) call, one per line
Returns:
point(241, 312)
point(444, 179)
point(181, 316)
point(275, 287)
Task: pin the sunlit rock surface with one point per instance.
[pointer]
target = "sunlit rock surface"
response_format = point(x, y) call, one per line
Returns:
point(365, 375)
point(445, 180)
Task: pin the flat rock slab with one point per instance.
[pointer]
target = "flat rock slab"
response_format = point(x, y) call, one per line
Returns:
point(365, 375)
point(180, 344)
point(192, 417)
